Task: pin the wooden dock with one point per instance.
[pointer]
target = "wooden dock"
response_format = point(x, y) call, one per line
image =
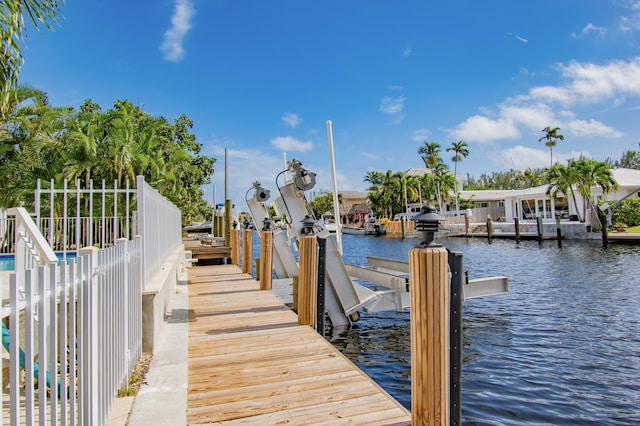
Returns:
point(251, 363)
point(207, 253)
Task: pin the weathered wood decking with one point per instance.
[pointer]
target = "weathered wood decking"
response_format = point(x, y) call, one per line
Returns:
point(251, 363)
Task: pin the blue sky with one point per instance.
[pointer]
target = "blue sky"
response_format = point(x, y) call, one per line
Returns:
point(262, 77)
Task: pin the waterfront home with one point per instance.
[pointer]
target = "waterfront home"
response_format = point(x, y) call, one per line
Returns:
point(530, 203)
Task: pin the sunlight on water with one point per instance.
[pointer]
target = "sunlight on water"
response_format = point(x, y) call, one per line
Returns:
point(563, 347)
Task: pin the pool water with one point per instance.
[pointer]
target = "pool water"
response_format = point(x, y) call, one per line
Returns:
point(7, 260)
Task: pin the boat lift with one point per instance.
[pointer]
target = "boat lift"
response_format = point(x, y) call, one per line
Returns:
point(344, 297)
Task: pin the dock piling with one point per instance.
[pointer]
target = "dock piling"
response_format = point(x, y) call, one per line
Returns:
point(235, 247)
point(266, 260)
point(247, 251)
point(430, 337)
point(307, 281)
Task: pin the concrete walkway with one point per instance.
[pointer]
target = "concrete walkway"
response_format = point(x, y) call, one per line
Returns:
point(162, 400)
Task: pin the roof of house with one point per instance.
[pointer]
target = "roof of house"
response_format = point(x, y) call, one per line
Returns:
point(627, 177)
point(498, 195)
point(353, 195)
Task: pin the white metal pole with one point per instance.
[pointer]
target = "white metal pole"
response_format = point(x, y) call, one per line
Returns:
point(284, 166)
point(336, 207)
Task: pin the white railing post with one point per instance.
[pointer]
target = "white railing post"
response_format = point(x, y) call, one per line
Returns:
point(90, 346)
point(123, 316)
point(142, 226)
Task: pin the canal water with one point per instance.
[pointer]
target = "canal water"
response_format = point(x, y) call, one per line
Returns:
point(562, 347)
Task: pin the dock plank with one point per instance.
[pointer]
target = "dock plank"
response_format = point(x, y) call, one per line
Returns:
point(251, 363)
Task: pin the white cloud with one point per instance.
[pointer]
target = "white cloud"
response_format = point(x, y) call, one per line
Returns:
point(588, 29)
point(552, 94)
point(406, 52)
point(483, 129)
point(536, 116)
point(592, 128)
point(523, 157)
point(180, 25)
point(593, 83)
point(291, 119)
point(584, 84)
point(289, 143)
point(420, 135)
point(393, 107)
point(630, 23)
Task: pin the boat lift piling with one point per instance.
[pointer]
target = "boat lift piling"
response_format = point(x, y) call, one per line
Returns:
point(435, 289)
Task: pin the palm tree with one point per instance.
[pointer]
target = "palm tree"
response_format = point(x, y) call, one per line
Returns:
point(460, 151)
point(430, 153)
point(445, 182)
point(590, 173)
point(550, 138)
point(13, 33)
point(562, 180)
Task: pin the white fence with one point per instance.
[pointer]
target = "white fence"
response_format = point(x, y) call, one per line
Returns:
point(97, 217)
point(160, 223)
point(84, 217)
point(75, 331)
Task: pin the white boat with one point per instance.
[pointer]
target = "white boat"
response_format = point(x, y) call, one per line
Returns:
point(371, 227)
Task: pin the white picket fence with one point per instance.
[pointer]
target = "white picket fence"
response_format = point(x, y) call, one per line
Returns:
point(73, 331)
point(76, 330)
point(98, 216)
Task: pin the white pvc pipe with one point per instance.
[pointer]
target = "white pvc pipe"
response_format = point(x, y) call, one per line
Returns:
point(336, 206)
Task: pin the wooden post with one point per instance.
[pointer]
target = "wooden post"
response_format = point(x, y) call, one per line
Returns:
point(257, 261)
point(605, 230)
point(540, 228)
point(247, 251)
point(489, 227)
point(429, 278)
point(517, 225)
point(235, 247)
point(307, 281)
point(266, 260)
point(466, 225)
point(295, 294)
point(558, 232)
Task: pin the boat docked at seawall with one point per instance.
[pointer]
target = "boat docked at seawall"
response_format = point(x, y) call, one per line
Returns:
point(371, 227)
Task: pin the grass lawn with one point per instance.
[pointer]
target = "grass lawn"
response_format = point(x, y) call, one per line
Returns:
point(633, 229)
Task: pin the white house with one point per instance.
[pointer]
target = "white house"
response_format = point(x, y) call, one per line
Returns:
point(528, 204)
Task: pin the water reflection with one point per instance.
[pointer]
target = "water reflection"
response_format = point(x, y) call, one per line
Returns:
point(563, 347)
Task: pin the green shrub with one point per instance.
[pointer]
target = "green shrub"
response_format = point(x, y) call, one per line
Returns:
point(628, 211)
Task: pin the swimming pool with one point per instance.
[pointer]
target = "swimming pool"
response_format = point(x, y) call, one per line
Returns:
point(7, 260)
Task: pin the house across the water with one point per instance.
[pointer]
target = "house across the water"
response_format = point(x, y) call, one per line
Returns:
point(531, 203)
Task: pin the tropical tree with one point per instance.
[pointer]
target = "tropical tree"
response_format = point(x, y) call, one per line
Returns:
point(460, 151)
point(561, 181)
point(629, 160)
point(13, 34)
point(430, 154)
point(590, 173)
point(39, 141)
point(445, 183)
point(32, 144)
point(323, 203)
point(550, 138)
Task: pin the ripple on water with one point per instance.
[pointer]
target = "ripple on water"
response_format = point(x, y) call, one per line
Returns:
point(563, 347)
